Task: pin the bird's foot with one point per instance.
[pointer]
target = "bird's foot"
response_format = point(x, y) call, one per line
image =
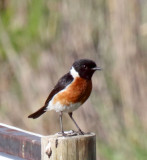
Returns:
point(71, 133)
point(64, 134)
point(67, 133)
point(81, 132)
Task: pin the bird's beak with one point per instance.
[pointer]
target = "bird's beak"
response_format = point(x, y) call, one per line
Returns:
point(96, 68)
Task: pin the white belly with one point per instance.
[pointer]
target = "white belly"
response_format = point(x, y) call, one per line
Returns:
point(61, 108)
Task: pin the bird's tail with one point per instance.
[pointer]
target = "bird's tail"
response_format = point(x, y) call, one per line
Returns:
point(38, 113)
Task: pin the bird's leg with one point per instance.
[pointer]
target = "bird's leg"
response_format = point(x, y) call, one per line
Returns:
point(80, 131)
point(61, 125)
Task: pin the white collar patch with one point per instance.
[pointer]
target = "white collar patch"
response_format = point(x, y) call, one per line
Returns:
point(74, 73)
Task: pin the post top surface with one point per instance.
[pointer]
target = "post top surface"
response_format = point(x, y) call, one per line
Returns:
point(59, 136)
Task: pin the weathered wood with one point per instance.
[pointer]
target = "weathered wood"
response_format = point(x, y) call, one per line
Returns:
point(31, 146)
point(20, 143)
point(81, 147)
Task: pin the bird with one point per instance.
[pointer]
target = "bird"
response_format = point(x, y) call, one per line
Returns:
point(70, 92)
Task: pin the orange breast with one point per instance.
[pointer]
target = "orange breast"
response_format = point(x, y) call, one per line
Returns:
point(78, 91)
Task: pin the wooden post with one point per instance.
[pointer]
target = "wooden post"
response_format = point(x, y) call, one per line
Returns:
point(27, 145)
point(80, 147)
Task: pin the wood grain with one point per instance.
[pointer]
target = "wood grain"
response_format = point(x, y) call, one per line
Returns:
point(81, 147)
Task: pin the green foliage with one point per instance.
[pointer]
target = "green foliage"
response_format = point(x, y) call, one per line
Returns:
point(35, 12)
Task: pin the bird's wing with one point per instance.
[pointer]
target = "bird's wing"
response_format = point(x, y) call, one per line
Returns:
point(61, 84)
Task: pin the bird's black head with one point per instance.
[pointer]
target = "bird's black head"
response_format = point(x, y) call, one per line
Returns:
point(85, 68)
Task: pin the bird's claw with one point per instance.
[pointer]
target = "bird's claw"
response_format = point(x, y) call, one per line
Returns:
point(81, 132)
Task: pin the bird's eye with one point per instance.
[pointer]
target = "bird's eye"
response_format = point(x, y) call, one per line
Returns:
point(84, 66)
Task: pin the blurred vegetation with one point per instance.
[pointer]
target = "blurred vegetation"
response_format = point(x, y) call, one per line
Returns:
point(39, 40)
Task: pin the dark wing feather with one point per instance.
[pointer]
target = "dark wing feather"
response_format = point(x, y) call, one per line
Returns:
point(62, 83)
